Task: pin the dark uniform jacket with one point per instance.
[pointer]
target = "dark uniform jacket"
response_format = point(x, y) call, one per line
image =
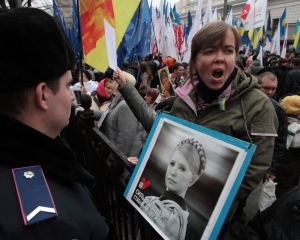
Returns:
point(292, 82)
point(279, 221)
point(280, 141)
point(78, 217)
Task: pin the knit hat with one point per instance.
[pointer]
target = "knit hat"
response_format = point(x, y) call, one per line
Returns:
point(33, 49)
point(89, 74)
point(291, 105)
point(169, 62)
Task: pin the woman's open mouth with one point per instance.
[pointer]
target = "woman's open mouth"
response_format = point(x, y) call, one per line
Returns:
point(217, 74)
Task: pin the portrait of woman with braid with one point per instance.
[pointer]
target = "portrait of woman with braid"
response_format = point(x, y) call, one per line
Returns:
point(169, 211)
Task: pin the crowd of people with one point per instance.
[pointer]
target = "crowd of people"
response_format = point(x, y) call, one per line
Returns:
point(262, 107)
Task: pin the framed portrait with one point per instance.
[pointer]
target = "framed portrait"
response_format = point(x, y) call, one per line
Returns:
point(187, 177)
point(165, 82)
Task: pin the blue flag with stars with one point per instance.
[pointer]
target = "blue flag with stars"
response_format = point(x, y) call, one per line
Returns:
point(57, 14)
point(141, 34)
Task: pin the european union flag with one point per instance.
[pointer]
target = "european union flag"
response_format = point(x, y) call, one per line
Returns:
point(56, 13)
point(283, 23)
point(138, 37)
point(129, 34)
point(75, 37)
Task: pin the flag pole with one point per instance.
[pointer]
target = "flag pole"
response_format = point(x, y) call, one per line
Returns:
point(225, 10)
point(79, 41)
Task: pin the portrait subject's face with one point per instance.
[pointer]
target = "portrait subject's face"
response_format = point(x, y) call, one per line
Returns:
point(166, 83)
point(179, 175)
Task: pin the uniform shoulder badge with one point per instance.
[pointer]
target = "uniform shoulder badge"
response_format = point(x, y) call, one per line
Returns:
point(34, 195)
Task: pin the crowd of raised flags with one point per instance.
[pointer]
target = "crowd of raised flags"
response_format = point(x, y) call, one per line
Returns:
point(141, 29)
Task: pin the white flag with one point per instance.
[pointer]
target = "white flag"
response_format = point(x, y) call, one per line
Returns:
point(208, 13)
point(260, 56)
point(260, 13)
point(215, 15)
point(247, 15)
point(283, 51)
point(277, 41)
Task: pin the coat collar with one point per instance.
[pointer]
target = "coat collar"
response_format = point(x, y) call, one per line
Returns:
point(21, 145)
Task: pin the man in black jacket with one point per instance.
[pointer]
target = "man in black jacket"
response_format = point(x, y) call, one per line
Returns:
point(292, 81)
point(268, 85)
point(279, 221)
point(43, 188)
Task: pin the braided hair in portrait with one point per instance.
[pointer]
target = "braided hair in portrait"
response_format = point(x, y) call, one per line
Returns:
point(198, 162)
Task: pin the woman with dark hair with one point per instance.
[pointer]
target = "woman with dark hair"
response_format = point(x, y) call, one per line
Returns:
point(280, 70)
point(146, 77)
point(221, 97)
point(88, 80)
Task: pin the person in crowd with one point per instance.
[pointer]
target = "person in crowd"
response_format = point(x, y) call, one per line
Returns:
point(167, 89)
point(125, 68)
point(291, 56)
point(186, 165)
point(248, 63)
point(279, 221)
point(37, 167)
point(146, 77)
point(249, 114)
point(292, 81)
point(241, 58)
point(102, 98)
point(265, 57)
point(169, 63)
point(75, 72)
point(280, 70)
point(135, 67)
point(150, 99)
point(120, 126)
point(143, 59)
point(272, 60)
point(153, 66)
point(255, 66)
point(289, 174)
point(88, 80)
point(186, 71)
point(268, 83)
point(176, 77)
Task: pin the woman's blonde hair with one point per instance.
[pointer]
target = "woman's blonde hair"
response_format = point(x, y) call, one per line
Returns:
point(128, 77)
